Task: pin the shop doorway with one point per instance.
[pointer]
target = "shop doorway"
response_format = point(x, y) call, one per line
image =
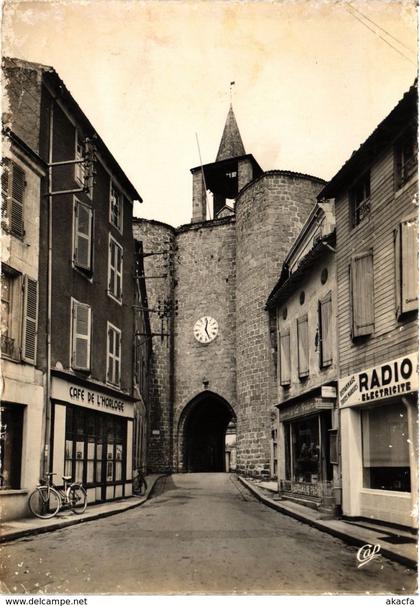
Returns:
point(205, 426)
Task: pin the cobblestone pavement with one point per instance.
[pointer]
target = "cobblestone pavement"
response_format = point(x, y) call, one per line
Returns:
point(199, 533)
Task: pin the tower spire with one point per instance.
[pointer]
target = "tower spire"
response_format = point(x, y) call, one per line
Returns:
point(231, 145)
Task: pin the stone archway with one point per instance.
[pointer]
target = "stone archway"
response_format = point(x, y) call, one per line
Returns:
point(203, 426)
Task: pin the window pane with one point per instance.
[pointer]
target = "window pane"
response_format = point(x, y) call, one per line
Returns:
point(386, 464)
point(82, 320)
point(109, 471)
point(68, 468)
point(6, 286)
point(305, 437)
point(91, 450)
point(79, 471)
point(89, 476)
point(80, 450)
point(98, 472)
point(68, 449)
point(83, 225)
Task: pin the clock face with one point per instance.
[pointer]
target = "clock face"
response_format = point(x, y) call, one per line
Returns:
point(206, 329)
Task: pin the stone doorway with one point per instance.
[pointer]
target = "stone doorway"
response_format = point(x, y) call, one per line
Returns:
point(205, 425)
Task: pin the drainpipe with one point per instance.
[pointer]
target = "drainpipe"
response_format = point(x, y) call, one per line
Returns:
point(47, 437)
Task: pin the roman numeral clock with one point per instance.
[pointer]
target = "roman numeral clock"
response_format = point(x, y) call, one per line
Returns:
point(206, 329)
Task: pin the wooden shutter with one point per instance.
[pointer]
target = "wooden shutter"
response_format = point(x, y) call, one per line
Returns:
point(110, 368)
point(5, 194)
point(16, 204)
point(118, 269)
point(117, 359)
point(303, 346)
point(81, 336)
point(30, 320)
point(326, 334)
point(409, 265)
point(284, 348)
point(362, 294)
point(115, 269)
point(83, 236)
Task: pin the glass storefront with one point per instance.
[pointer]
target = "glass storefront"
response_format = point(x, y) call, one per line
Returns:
point(95, 449)
point(307, 449)
point(11, 417)
point(386, 463)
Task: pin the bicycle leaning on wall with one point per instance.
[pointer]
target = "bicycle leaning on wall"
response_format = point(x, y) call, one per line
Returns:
point(47, 499)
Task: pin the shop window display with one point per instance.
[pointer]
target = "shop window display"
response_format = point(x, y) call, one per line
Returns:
point(95, 448)
point(386, 464)
point(11, 416)
point(305, 439)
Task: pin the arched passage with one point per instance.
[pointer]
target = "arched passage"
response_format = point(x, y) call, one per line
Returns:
point(204, 426)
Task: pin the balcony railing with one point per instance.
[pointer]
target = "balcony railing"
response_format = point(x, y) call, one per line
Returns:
point(7, 346)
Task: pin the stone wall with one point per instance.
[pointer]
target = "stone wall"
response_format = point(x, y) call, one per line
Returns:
point(158, 237)
point(205, 286)
point(269, 215)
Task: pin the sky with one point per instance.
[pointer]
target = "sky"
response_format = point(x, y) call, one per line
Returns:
point(312, 80)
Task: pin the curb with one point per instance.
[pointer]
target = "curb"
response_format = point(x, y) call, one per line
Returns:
point(19, 534)
point(346, 537)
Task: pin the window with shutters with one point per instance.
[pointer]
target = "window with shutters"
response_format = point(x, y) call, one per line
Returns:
point(13, 192)
point(113, 367)
point(18, 301)
point(325, 330)
point(284, 357)
point(303, 346)
point(362, 298)
point(115, 266)
point(115, 207)
point(406, 266)
point(82, 236)
point(405, 157)
point(81, 335)
point(360, 200)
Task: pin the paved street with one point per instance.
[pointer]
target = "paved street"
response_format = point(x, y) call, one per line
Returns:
point(199, 533)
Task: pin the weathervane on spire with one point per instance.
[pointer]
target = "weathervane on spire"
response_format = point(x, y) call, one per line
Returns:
point(231, 90)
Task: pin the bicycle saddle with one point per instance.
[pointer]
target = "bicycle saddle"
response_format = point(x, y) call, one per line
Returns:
point(66, 478)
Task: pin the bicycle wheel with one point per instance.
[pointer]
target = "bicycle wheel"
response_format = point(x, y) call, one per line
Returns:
point(77, 498)
point(44, 502)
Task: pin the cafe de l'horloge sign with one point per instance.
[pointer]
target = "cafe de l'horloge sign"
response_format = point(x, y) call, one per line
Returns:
point(391, 379)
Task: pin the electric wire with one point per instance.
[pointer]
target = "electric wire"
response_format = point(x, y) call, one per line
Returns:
point(379, 36)
point(381, 28)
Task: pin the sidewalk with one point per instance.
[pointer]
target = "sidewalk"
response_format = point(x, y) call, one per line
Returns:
point(398, 545)
point(23, 527)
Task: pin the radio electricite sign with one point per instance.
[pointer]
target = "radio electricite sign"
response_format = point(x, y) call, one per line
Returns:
point(394, 378)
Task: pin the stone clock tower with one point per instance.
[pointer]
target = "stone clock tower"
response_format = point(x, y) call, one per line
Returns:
point(217, 368)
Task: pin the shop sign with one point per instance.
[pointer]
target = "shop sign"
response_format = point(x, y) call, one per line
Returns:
point(394, 378)
point(302, 409)
point(90, 398)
